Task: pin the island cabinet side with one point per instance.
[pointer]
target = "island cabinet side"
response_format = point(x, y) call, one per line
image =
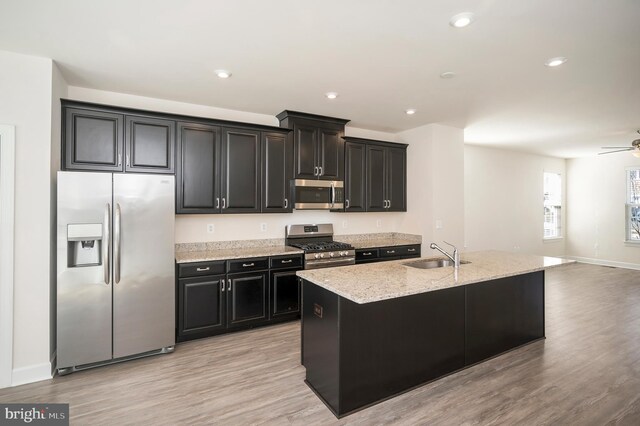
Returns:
point(503, 314)
point(359, 354)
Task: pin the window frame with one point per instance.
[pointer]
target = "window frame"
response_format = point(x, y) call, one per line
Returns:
point(628, 207)
point(559, 228)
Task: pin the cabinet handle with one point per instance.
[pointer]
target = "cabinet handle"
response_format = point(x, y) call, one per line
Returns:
point(286, 203)
point(389, 206)
point(411, 250)
point(224, 202)
point(320, 173)
point(315, 171)
point(229, 285)
point(246, 265)
point(367, 254)
point(119, 159)
point(391, 251)
point(347, 204)
point(128, 162)
point(286, 261)
point(203, 269)
point(223, 284)
point(217, 203)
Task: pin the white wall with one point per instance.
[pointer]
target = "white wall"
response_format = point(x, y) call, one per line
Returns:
point(435, 187)
point(26, 88)
point(503, 207)
point(193, 228)
point(596, 210)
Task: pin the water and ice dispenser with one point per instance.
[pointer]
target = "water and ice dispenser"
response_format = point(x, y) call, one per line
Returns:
point(84, 244)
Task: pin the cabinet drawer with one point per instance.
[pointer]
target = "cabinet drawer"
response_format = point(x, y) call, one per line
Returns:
point(364, 255)
point(280, 262)
point(195, 269)
point(245, 265)
point(400, 251)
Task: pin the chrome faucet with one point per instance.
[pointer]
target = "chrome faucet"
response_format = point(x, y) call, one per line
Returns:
point(456, 256)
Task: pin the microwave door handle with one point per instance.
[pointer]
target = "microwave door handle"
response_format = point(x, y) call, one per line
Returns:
point(333, 194)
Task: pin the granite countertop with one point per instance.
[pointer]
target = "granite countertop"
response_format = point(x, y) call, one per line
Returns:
point(233, 253)
point(387, 280)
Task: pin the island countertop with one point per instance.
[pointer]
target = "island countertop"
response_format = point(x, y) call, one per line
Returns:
point(387, 280)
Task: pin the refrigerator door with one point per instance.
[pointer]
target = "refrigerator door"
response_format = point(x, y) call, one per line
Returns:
point(143, 263)
point(83, 268)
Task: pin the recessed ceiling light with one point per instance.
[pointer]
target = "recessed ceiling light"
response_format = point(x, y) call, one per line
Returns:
point(448, 74)
point(554, 62)
point(223, 73)
point(331, 95)
point(461, 20)
point(410, 111)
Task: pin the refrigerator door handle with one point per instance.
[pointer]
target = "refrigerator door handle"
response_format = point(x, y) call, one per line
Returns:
point(116, 244)
point(106, 242)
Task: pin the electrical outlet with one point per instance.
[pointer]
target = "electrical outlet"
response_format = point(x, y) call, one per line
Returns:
point(263, 227)
point(439, 224)
point(344, 224)
point(211, 228)
point(379, 223)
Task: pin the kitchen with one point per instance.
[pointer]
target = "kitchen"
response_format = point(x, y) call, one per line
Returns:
point(456, 190)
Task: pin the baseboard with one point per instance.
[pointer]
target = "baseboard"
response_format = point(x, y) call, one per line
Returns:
point(30, 374)
point(603, 262)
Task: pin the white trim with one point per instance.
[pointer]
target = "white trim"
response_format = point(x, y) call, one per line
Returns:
point(603, 262)
point(32, 373)
point(7, 191)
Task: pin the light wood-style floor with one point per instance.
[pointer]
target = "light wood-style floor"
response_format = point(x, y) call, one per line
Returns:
point(586, 372)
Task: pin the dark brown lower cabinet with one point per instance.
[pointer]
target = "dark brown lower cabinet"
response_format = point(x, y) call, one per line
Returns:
point(356, 355)
point(285, 294)
point(247, 296)
point(201, 307)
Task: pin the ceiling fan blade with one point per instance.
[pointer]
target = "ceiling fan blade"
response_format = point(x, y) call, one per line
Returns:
point(615, 147)
point(619, 150)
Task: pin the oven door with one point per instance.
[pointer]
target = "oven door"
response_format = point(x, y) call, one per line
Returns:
point(318, 194)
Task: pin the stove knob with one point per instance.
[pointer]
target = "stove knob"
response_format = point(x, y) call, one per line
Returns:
point(331, 254)
point(316, 255)
point(342, 253)
point(321, 254)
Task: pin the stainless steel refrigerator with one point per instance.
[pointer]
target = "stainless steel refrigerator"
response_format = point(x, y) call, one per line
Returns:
point(116, 285)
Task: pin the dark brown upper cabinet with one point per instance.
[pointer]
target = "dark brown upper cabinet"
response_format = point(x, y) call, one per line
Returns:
point(277, 171)
point(150, 145)
point(386, 178)
point(92, 140)
point(318, 145)
point(355, 155)
point(241, 166)
point(198, 168)
point(109, 140)
point(375, 175)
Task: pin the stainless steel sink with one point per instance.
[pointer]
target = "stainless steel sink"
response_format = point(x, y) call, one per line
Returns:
point(432, 263)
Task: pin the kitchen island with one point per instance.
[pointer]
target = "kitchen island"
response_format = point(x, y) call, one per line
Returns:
point(370, 332)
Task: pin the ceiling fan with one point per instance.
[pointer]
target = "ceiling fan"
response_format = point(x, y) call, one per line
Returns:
point(635, 148)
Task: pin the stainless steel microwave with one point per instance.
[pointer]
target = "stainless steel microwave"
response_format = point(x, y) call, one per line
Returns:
point(318, 194)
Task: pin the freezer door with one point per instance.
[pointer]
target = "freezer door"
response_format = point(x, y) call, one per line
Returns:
point(143, 264)
point(84, 280)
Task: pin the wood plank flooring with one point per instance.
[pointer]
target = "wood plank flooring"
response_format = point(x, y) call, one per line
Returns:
point(587, 372)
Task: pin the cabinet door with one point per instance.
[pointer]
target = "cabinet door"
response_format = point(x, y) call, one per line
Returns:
point(285, 294)
point(198, 169)
point(201, 306)
point(277, 171)
point(330, 154)
point(376, 172)
point(150, 145)
point(241, 187)
point(306, 150)
point(93, 140)
point(355, 177)
point(396, 172)
point(247, 298)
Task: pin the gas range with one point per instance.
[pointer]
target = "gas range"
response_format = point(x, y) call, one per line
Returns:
point(320, 251)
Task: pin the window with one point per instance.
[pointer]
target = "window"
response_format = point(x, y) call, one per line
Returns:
point(633, 205)
point(552, 205)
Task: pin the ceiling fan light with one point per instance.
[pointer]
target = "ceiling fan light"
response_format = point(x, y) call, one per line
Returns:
point(636, 153)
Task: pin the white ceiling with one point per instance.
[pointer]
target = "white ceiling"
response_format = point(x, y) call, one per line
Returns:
point(381, 56)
